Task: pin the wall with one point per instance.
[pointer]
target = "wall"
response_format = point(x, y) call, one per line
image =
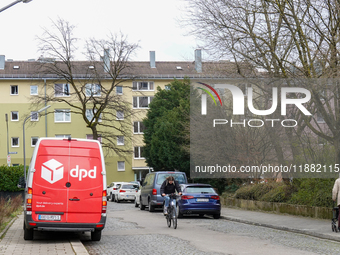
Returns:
point(300, 210)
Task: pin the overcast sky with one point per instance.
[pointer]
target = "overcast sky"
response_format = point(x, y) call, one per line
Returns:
point(151, 22)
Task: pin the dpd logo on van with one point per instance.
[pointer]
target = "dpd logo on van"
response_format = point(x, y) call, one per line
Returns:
point(52, 171)
point(83, 173)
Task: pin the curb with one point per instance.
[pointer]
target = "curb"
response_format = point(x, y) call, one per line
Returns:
point(78, 247)
point(8, 226)
point(298, 231)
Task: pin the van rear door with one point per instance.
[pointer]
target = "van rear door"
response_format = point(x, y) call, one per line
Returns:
point(85, 193)
point(67, 184)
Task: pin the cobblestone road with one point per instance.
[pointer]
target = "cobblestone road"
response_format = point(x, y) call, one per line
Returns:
point(131, 231)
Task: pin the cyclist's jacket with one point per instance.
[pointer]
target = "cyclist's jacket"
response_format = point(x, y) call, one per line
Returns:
point(168, 188)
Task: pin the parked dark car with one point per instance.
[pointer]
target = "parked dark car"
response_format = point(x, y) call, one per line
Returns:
point(199, 199)
point(150, 192)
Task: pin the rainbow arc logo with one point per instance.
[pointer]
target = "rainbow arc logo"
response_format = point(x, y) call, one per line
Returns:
point(204, 97)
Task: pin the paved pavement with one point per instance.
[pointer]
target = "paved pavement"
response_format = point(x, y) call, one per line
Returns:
point(14, 243)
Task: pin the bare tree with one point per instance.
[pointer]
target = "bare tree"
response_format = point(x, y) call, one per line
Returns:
point(285, 39)
point(89, 87)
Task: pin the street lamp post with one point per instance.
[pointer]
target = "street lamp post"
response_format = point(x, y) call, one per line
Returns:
point(14, 3)
point(23, 130)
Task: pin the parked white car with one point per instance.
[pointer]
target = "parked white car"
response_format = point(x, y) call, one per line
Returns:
point(137, 197)
point(112, 190)
point(126, 192)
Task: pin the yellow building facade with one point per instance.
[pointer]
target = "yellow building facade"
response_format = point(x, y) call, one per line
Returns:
point(20, 83)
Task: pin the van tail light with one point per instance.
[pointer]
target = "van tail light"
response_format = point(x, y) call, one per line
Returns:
point(122, 191)
point(187, 197)
point(154, 192)
point(29, 197)
point(215, 197)
point(114, 188)
point(104, 203)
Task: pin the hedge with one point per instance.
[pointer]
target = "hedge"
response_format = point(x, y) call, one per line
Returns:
point(9, 177)
point(310, 192)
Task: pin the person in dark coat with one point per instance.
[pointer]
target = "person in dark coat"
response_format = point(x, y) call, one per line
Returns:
point(169, 186)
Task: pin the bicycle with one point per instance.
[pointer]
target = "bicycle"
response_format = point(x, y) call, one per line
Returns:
point(172, 212)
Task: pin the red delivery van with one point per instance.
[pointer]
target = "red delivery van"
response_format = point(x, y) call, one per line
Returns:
point(66, 187)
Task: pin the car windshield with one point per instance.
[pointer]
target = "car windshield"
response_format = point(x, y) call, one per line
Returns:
point(129, 186)
point(198, 189)
point(178, 177)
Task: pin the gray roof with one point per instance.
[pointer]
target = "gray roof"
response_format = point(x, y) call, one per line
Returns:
point(134, 69)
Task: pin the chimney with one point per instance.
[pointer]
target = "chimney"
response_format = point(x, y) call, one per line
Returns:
point(106, 60)
point(152, 59)
point(198, 60)
point(2, 62)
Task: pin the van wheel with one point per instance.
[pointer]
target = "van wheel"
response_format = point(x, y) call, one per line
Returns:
point(28, 233)
point(141, 206)
point(112, 197)
point(136, 205)
point(151, 207)
point(96, 235)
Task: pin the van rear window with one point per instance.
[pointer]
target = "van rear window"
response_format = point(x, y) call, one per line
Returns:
point(178, 177)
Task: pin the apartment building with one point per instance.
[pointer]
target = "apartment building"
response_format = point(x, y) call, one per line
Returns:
point(21, 82)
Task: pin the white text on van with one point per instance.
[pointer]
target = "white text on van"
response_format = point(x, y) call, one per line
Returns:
point(83, 173)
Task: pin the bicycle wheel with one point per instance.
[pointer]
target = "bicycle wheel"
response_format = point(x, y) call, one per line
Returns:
point(174, 222)
point(168, 220)
point(168, 217)
point(174, 218)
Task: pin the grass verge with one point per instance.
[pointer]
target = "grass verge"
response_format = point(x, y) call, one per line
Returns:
point(9, 209)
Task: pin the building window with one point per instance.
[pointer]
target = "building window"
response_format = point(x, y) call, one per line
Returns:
point(15, 116)
point(121, 166)
point(15, 141)
point(138, 127)
point(138, 151)
point(120, 115)
point(90, 137)
point(120, 140)
point(34, 141)
point(92, 90)
point(141, 102)
point(119, 90)
point(142, 85)
point(34, 116)
point(89, 114)
point(63, 136)
point(62, 116)
point(61, 90)
point(34, 90)
point(14, 90)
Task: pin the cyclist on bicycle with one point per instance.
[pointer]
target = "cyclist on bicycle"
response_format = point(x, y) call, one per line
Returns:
point(169, 186)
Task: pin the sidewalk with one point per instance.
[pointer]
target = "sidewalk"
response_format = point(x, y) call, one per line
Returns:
point(298, 224)
point(13, 243)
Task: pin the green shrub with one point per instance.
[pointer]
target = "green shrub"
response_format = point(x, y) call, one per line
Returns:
point(271, 192)
point(280, 194)
point(9, 177)
point(313, 192)
point(245, 192)
point(231, 188)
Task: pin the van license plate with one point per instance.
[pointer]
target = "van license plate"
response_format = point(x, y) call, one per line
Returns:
point(49, 217)
point(202, 200)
